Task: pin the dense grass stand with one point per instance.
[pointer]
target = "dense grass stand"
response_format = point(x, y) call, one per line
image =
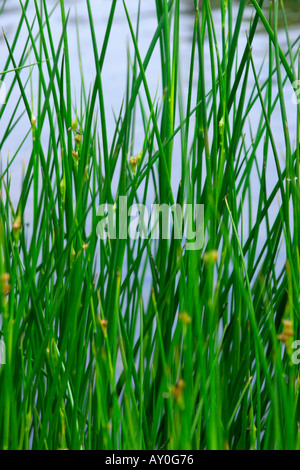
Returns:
point(122, 343)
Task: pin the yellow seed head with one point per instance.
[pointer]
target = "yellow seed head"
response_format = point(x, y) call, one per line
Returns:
point(17, 223)
point(6, 289)
point(287, 332)
point(103, 324)
point(177, 391)
point(78, 139)
point(185, 318)
point(5, 286)
point(210, 257)
point(133, 162)
point(16, 226)
point(5, 277)
point(74, 124)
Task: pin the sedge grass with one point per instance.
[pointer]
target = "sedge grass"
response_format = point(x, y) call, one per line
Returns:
point(132, 344)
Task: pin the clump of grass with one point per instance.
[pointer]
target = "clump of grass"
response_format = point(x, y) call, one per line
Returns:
point(136, 344)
